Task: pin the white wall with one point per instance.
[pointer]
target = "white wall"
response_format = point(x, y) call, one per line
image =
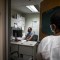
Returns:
point(28, 21)
point(2, 29)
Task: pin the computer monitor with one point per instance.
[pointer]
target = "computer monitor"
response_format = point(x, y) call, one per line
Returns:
point(17, 33)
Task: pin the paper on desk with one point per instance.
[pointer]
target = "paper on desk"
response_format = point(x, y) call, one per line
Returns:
point(29, 43)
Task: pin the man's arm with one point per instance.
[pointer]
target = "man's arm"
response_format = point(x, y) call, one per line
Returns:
point(29, 38)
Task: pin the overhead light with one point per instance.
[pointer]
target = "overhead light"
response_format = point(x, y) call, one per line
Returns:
point(32, 8)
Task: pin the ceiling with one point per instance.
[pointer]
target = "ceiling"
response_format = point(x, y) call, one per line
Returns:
point(20, 5)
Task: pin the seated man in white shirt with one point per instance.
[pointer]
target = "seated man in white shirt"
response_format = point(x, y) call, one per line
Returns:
point(29, 34)
point(49, 48)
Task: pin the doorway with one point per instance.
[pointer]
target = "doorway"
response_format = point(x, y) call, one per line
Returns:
point(29, 19)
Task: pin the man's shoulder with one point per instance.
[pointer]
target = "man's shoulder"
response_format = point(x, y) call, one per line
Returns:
point(46, 39)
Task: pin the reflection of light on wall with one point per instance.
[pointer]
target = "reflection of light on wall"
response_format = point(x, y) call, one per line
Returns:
point(15, 25)
point(22, 27)
point(34, 26)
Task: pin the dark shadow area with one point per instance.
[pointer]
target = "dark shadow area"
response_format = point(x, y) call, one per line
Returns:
point(46, 20)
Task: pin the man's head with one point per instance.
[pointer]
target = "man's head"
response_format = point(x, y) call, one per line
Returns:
point(55, 22)
point(29, 29)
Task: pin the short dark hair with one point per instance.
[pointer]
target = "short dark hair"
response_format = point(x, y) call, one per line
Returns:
point(55, 19)
point(30, 28)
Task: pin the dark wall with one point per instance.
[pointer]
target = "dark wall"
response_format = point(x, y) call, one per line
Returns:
point(46, 20)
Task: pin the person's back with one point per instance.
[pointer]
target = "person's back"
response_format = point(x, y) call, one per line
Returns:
point(49, 48)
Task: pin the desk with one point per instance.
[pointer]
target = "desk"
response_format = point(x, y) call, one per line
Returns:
point(26, 48)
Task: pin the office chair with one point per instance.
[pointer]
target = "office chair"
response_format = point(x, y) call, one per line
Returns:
point(35, 38)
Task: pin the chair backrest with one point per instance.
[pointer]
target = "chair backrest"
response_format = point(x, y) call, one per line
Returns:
point(35, 38)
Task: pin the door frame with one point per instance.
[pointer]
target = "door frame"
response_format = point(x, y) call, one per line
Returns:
point(8, 20)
